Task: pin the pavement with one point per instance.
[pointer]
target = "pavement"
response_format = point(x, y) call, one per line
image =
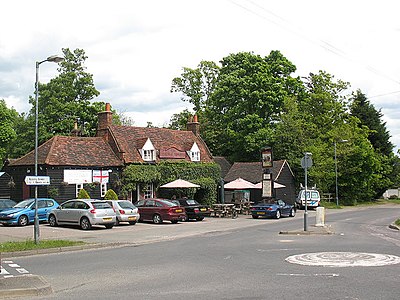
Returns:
point(119, 236)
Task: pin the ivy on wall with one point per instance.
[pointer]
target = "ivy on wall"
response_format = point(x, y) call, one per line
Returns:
point(204, 174)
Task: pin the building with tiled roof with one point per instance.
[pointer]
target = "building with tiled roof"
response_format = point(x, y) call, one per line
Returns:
point(253, 172)
point(98, 162)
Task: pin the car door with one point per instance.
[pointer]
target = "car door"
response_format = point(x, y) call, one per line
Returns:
point(64, 214)
point(285, 209)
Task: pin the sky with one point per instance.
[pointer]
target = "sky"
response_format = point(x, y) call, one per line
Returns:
point(135, 48)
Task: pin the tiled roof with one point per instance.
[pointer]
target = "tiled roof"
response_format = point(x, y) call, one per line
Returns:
point(131, 139)
point(252, 171)
point(224, 164)
point(72, 151)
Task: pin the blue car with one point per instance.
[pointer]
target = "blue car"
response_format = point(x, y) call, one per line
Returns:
point(274, 210)
point(23, 213)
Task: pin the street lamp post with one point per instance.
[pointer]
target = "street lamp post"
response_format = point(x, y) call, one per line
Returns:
point(55, 59)
point(336, 173)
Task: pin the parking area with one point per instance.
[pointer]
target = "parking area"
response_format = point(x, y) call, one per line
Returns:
point(133, 234)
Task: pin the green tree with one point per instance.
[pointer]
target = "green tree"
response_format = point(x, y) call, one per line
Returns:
point(196, 85)
point(246, 103)
point(83, 194)
point(179, 121)
point(370, 117)
point(8, 118)
point(110, 195)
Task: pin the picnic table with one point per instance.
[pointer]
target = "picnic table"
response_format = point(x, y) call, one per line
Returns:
point(224, 210)
point(244, 207)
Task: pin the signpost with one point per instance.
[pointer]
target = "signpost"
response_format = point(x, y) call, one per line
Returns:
point(306, 162)
point(37, 180)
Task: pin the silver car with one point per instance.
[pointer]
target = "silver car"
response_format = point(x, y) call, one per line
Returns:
point(125, 211)
point(83, 212)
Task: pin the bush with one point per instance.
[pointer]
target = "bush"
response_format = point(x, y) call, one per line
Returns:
point(83, 194)
point(110, 195)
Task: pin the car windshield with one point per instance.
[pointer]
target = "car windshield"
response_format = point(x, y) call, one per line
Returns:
point(24, 204)
point(101, 205)
point(126, 205)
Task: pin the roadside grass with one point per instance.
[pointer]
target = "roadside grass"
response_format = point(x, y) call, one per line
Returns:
point(397, 222)
point(31, 245)
point(332, 205)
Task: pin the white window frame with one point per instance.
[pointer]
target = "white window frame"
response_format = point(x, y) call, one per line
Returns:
point(194, 153)
point(148, 151)
point(78, 187)
point(103, 189)
point(148, 192)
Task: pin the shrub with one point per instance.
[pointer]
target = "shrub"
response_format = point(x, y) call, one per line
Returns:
point(110, 195)
point(83, 194)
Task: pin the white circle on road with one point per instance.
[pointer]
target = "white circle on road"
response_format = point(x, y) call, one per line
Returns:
point(343, 259)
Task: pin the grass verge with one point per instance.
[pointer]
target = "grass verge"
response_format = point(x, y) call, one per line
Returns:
point(31, 245)
point(397, 222)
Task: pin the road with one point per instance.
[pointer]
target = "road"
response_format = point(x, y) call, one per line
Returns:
point(239, 263)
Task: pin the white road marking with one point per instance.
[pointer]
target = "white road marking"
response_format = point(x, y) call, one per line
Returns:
point(343, 259)
point(12, 265)
point(309, 275)
point(3, 271)
point(22, 271)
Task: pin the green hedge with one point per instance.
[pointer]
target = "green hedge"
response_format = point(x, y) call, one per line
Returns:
point(206, 175)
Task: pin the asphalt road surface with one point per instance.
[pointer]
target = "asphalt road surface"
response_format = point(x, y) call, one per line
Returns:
point(359, 261)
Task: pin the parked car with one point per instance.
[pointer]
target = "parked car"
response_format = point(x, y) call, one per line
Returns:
point(125, 211)
point(159, 210)
point(23, 213)
point(276, 210)
point(6, 203)
point(313, 198)
point(83, 212)
point(194, 210)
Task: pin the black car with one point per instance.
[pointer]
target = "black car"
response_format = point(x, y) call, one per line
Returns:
point(194, 210)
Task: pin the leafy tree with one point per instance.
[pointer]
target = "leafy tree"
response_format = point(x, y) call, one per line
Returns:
point(246, 103)
point(196, 85)
point(8, 117)
point(179, 121)
point(370, 117)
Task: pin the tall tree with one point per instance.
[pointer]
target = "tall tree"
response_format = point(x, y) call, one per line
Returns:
point(246, 103)
point(370, 117)
point(8, 117)
point(196, 85)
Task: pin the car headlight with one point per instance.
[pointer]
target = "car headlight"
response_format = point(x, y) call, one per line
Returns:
point(10, 215)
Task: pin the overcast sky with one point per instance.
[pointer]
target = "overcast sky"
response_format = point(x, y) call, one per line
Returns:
point(135, 48)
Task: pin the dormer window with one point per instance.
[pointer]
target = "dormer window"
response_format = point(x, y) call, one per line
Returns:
point(148, 151)
point(194, 153)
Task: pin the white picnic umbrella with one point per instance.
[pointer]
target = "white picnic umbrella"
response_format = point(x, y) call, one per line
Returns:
point(239, 184)
point(179, 183)
point(276, 185)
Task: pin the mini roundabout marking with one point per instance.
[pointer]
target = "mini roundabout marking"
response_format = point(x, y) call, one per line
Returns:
point(343, 259)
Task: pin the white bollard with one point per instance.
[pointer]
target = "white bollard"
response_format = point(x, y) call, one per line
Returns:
point(320, 217)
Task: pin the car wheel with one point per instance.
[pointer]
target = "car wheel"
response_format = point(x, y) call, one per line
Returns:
point(132, 222)
point(109, 226)
point(174, 221)
point(278, 214)
point(85, 224)
point(157, 219)
point(52, 221)
point(200, 218)
point(23, 220)
point(292, 212)
point(255, 217)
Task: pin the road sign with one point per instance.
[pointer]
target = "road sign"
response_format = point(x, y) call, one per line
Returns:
point(37, 180)
point(306, 162)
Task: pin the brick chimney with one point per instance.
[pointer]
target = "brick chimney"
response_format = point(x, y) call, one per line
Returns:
point(104, 120)
point(194, 125)
point(76, 131)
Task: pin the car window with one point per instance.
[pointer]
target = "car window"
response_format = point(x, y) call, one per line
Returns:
point(167, 203)
point(314, 195)
point(191, 202)
point(126, 205)
point(41, 203)
point(49, 203)
point(81, 205)
point(68, 205)
point(150, 203)
point(101, 205)
point(24, 204)
point(140, 203)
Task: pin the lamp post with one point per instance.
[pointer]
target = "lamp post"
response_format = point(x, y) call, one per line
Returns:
point(336, 172)
point(55, 59)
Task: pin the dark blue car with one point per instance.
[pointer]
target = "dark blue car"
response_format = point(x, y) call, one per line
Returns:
point(23, 213)
point(274, 210)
